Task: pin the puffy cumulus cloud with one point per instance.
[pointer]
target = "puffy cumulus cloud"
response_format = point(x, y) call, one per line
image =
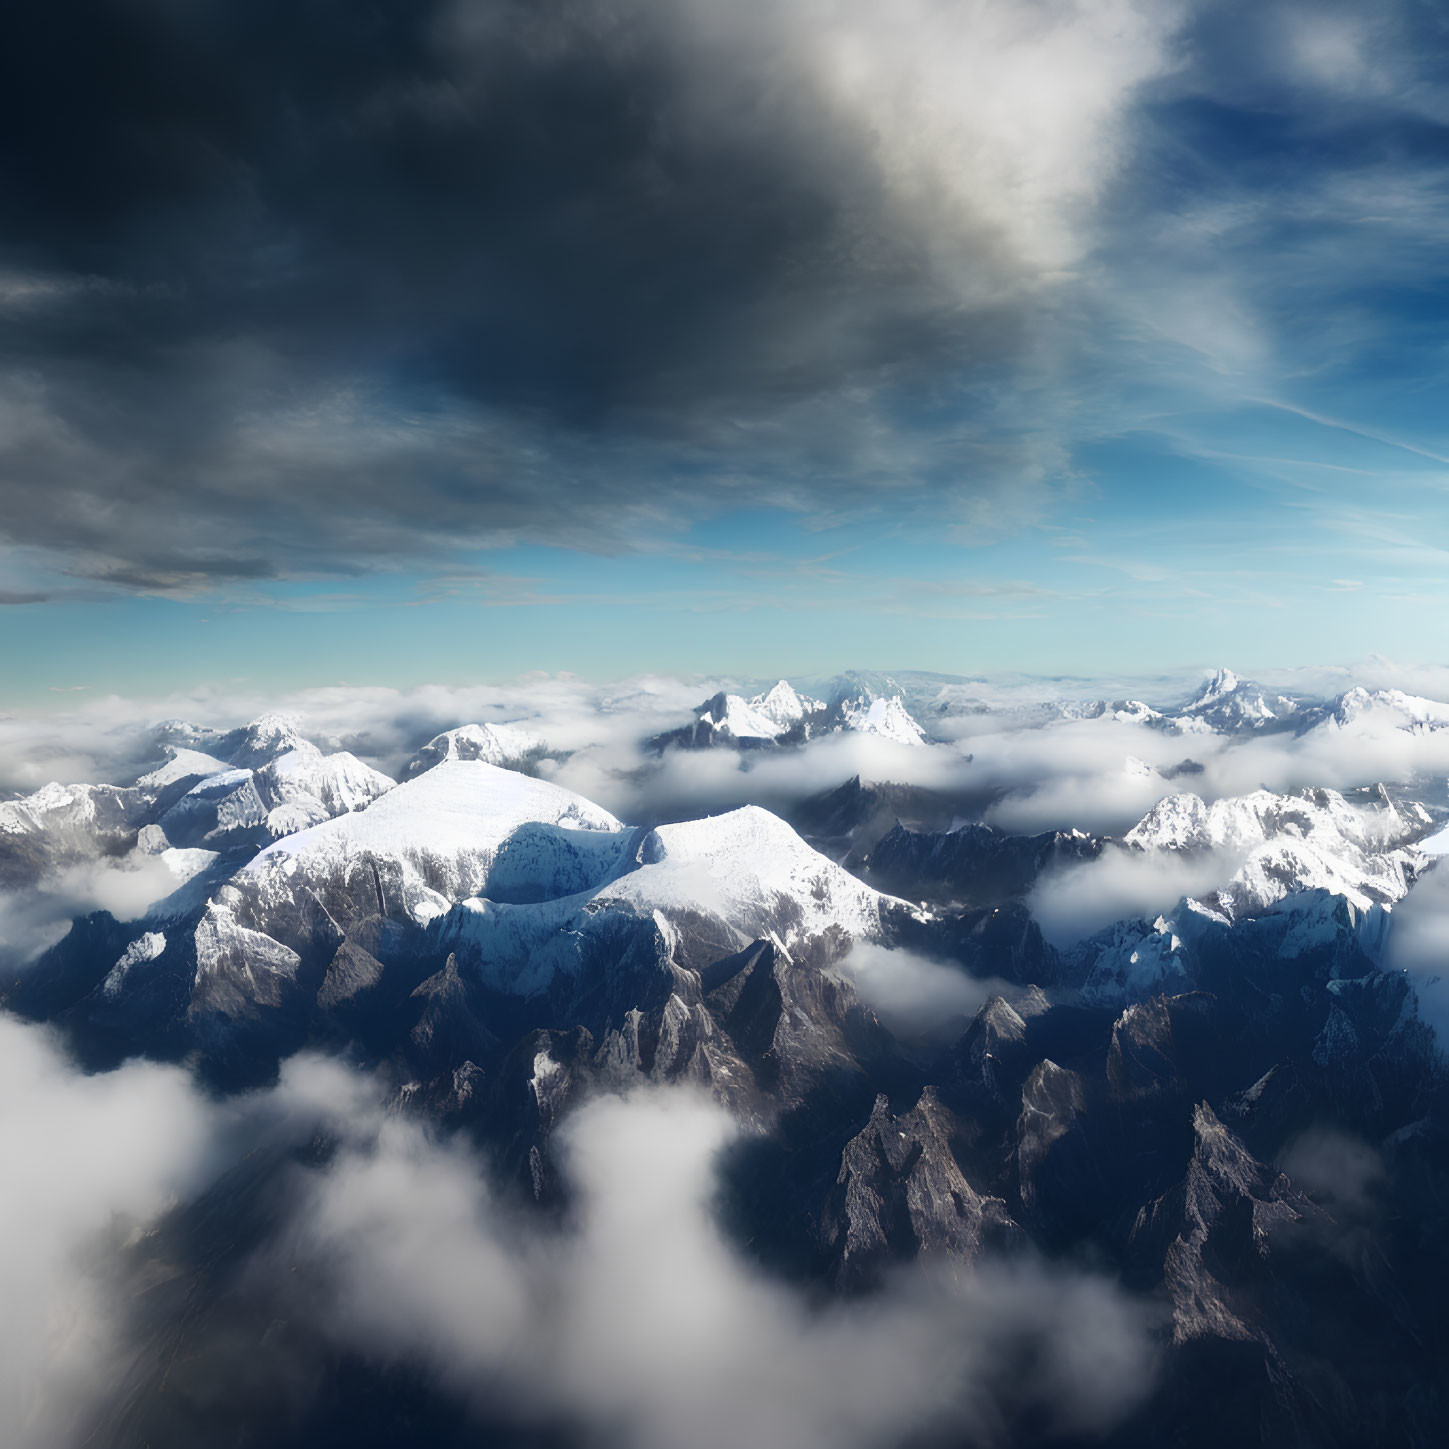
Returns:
point(38, 916)
point(915, 997)
point(997, 118)
point(93, 1164)
point(325, 289)
point(630, 1321)
point(1074, 901)
point(1377, 747)
point(696, 781)
point(638, 1322)
point(1419, 944)
point(1098, 775)
point(87, 1161)
point(1340, 1171)
point(102, 740)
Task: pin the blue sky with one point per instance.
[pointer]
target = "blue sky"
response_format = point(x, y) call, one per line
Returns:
point(1091, 336)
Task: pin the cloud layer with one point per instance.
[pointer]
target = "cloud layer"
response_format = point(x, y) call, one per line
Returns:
point(361, 285)
point(87, 1161)
point(634, 1320)
point(641, 1322)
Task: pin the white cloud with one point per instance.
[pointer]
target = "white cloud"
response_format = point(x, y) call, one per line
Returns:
point(914, 996)
point(640, 1322)
point(1077, 900)
point(1008, 115)
point(1340, 1171)
point(1419, 944)
point(87, 1160)
point(37, 917)
point(634, 1318)
point(1100, 775)
point(102, 739)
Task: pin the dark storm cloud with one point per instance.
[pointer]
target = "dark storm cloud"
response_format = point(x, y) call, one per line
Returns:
point(287, 287)
point(523, 203)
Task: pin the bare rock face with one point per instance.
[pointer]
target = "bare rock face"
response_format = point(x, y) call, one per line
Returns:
point(1058, 1164)
point(448, 1031)
point(973, 866)
point(1159, 1045)
point(1223, 1216)
point(984, 1067)
point(1140, 1060)
point(1225, 1238)
point(900, 1193)
point(351, 972)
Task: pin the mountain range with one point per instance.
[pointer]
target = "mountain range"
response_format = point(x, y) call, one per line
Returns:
point(942, 1045)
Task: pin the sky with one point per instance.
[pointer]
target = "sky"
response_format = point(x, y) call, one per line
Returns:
point(415, 341)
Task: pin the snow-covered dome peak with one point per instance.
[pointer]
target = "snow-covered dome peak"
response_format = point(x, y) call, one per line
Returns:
point(722, 882)
point(1391, 708)
point(494, 744)
point(266, 737)
point(464, 828)
point(743, 865)
point(457, 805)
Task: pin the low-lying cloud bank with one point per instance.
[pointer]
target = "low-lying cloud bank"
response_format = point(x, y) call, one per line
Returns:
point(107, 738)
point(1103, 775)
point(634, 1322)
point(1080, 899)
point(639, 1322)
point(1100, 775)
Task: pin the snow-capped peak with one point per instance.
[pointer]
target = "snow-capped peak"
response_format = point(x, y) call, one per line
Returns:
point(182, 764)
point(437, 838)
point(1223, 682)
point(265, 738)
point(303, 787)
point(1275, 845)
point(507, 745)
point(1391, 707)
point(1230, 703)
point(783, 706)
point(738, 718)
point(719, 882)
point(1133, 711)
point(742, 864)
point(884, 716)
